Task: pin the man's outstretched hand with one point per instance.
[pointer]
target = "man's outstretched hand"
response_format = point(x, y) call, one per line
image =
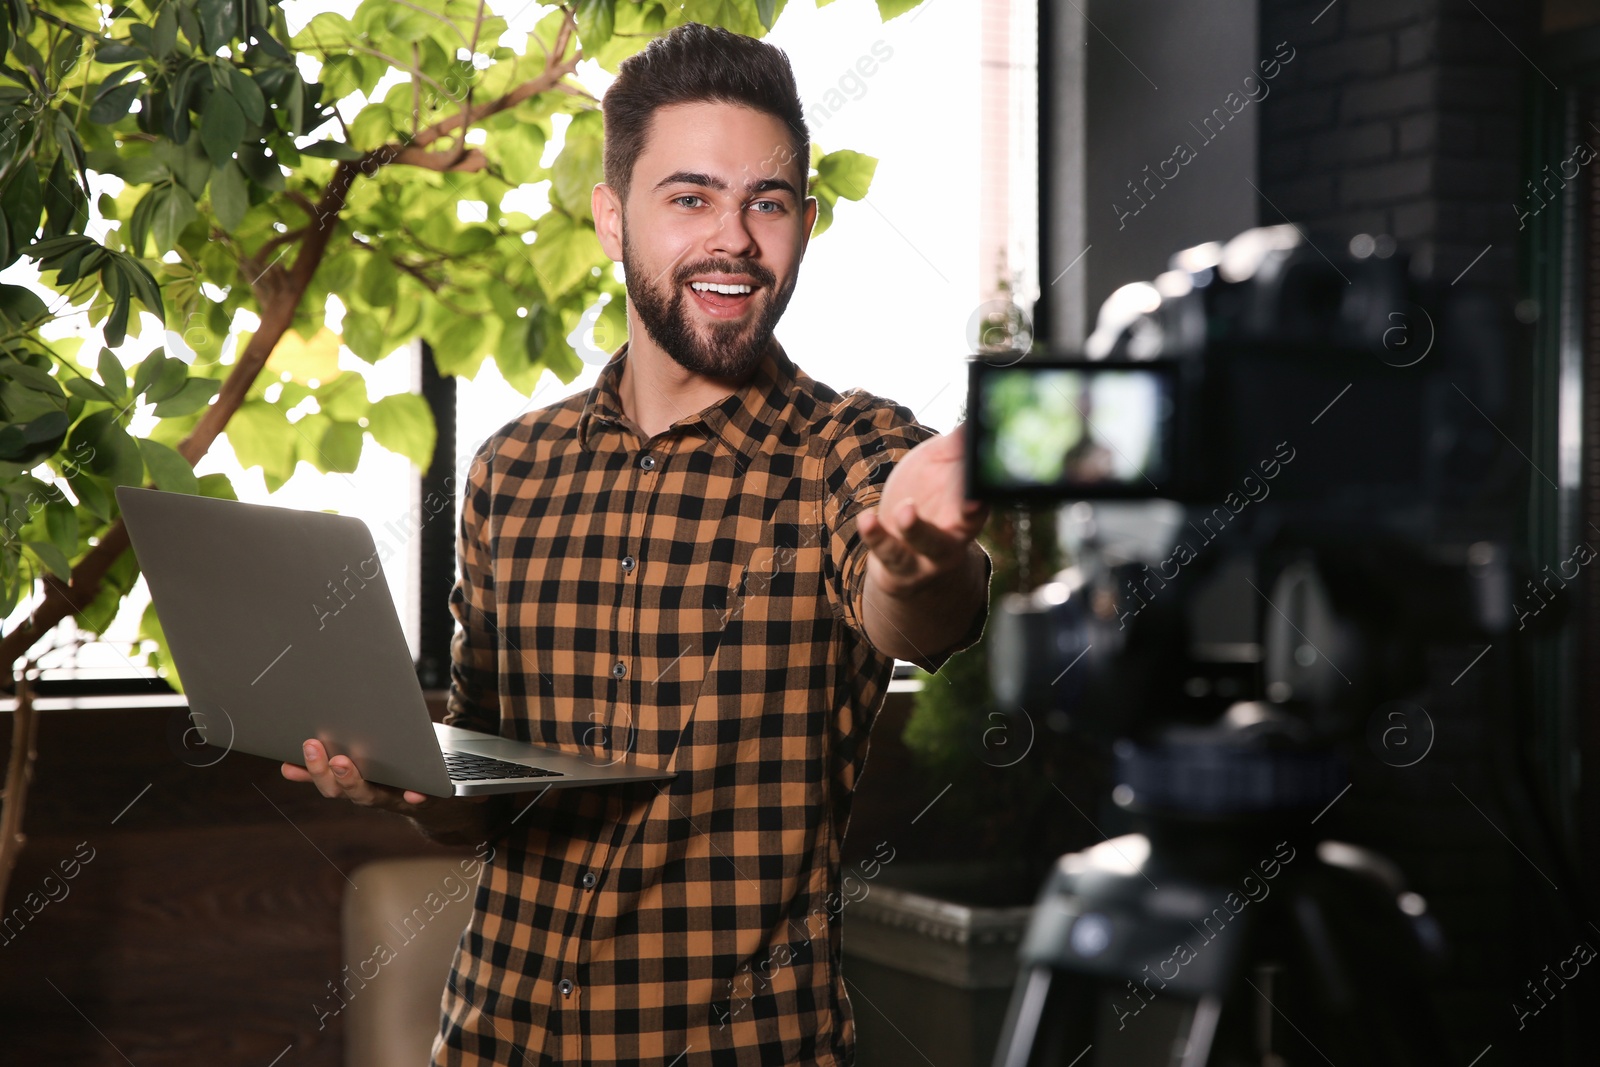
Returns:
point(925, 579)
point(923, 524)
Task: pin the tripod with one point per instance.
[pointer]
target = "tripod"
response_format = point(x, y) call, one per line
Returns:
point(1224, 933)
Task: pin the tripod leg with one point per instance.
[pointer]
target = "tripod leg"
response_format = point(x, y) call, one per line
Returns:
point(1023, 1018)
point(1202, 1032)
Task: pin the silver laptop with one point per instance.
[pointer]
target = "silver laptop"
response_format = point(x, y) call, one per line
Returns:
point(282, 628)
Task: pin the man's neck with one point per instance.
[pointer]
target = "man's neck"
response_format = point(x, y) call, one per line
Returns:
point(656, 390)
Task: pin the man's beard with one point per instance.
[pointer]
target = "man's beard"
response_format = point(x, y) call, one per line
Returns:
point(732, 349)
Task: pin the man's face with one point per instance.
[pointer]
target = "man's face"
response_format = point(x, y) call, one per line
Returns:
point(717, 199)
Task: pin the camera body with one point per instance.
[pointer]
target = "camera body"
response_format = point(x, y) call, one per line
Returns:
point(1319, 427)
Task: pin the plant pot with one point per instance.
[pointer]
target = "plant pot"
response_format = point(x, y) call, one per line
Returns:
point(928, 969)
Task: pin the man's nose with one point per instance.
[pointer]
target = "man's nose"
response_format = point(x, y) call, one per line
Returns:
point(732, 235)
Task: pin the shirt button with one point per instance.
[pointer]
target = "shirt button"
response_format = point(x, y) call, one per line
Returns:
point(627, 564)
point(566, 987)
point(589, 879)
point(619, 670)
point(647, 462)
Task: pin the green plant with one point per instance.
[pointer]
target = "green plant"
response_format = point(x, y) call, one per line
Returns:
point(1001, 768)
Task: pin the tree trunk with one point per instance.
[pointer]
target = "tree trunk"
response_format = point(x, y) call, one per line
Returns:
point(19, 773)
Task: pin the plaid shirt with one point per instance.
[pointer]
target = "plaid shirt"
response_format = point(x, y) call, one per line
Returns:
point(691, 602)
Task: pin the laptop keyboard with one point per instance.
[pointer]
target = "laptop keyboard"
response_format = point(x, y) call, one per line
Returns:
point(464, 766)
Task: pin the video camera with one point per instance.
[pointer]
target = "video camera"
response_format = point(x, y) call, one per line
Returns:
point(1324, 427)
point(1286, 479)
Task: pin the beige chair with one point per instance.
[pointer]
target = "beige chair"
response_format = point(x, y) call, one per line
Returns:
point(401, 925)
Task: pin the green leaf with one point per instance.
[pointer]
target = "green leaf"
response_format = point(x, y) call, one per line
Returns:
point(379, 284)
point(89, 390)
point(847, 173)
point(111, 103)
point(217, 23)
point(92, 495)
point(167, 467)
point(66, 208)
point(161, 657)
point(263, 437)
point(888, 9)
point(247, 94)
point(113, 52)
point(407, 22)
point(221, 127)
point(363, 335)
point(97, 615)
point(260, 168)
point(19, 305)
point(344, 398)
point(61, 523)
point(217, 486)
point(24, 404)
point(54, 560)
point(169, 377)
point(331, 150)
point(596, 22)
point(230, 195)
point(768, 12)
point(111, 452)
point(194, 395)
point(403, 423)
point(115, 282)
point(22, 203)
point(148, 370)
point(518, 150)
point(340, 447)
point(72, 149)
point(164, 32)
point(174, 211)
point(188, 163)
point(824, 216)
point(579, 167)
point(564, 251)
point(112, 374)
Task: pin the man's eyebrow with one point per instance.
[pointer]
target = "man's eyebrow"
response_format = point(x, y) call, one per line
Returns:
point(693, 177)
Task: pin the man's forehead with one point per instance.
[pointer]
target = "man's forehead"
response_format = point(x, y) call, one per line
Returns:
point(724, 146)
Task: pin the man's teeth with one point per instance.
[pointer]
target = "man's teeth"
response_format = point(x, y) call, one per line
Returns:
point(715, 288)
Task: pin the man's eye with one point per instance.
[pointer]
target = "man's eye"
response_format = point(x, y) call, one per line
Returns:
point(686, 196)
point(773, 204)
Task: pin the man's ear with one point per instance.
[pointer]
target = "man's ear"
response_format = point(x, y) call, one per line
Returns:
point(607, 211)
point(811, 220)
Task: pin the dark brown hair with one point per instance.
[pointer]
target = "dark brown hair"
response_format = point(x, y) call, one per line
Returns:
point(695, 63)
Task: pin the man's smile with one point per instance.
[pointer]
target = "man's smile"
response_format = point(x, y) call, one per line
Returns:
point(723, 298)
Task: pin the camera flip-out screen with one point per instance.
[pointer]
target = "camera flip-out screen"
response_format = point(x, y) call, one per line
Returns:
point(1064, 429)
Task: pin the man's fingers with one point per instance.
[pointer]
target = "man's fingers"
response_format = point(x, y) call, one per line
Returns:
point(317, 767)
point(338, 776)
point(892, 552)
point(926, 539)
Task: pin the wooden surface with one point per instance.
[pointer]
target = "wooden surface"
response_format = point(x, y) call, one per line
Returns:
point(206, 925)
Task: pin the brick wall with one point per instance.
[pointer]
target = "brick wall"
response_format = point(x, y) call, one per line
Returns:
point(1402, 117)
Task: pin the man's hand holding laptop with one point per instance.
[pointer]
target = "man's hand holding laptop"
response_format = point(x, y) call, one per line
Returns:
point(339, 777)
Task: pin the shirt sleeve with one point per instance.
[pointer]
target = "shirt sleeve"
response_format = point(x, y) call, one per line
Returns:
point(474, 700)
point(875, 434)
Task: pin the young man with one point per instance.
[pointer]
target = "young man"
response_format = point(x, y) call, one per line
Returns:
point(706, 563)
